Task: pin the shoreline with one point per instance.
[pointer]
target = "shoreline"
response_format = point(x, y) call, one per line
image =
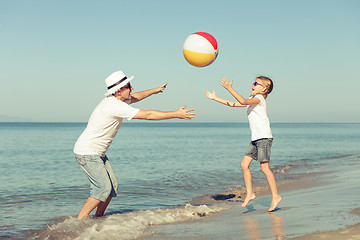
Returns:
point(309, 210)
point(306, 210)
point(349, 233)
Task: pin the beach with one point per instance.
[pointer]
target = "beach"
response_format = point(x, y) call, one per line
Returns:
point(181, 181)
point(344, 234)
point(318, 206)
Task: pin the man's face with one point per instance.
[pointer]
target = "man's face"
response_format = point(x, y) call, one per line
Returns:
point(124, 93)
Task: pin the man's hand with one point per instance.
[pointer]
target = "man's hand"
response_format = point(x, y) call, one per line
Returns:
point(160, 89)
point(185, 113)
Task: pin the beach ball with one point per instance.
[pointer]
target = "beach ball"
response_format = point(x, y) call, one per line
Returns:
point(200, 49)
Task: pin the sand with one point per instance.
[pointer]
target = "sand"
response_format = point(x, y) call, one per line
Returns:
point(351, 233)
point(316, 206)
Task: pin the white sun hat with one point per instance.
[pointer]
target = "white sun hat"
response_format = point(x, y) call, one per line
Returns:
point(116, 81)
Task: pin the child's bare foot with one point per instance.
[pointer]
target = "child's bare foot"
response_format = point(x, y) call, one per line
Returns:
point(275, 201)
point(248, 198)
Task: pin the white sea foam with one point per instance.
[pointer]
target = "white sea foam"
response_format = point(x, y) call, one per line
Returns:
point(129, 225)
point(281, 169)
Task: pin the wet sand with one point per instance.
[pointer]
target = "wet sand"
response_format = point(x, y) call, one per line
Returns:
point(350, 233)
point(315, 206)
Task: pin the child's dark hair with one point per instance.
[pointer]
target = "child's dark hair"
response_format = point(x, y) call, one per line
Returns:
point(268, 82)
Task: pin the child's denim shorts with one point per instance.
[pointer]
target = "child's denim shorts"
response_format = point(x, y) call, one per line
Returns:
point(260, 149)
point(103, 181)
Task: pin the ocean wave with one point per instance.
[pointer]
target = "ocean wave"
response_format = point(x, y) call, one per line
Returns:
point(338, 156)
point(281, 169)
point(130, 225)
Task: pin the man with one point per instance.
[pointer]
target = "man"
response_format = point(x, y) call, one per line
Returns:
point(101, 129)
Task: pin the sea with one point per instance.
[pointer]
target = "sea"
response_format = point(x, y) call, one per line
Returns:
point(168, 172)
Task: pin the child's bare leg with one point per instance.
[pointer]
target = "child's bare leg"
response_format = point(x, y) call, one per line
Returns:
point(276, 198)
point(245, 163)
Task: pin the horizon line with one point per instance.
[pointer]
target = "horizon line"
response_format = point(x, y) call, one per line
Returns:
point(156, 122)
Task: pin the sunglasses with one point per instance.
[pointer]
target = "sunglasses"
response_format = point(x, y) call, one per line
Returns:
point(256, 83)
point(128, 86)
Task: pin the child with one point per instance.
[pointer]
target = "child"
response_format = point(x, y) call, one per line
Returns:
point(261, 137)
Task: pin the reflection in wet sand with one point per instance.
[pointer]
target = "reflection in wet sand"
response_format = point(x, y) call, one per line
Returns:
point(256, 230)
point(277, 224)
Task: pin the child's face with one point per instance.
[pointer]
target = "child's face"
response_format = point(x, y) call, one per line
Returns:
point(258, 87)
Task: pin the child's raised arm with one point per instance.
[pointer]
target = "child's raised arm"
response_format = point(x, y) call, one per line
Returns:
point(242, 101)
point(229, 103)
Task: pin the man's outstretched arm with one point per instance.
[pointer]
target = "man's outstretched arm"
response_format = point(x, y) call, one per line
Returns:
point(138, 96)
point(181, 113)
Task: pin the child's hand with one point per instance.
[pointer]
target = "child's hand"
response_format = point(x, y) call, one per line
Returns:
point(210, 95)
point(225, 83)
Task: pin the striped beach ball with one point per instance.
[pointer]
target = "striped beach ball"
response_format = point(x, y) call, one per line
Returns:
point(200, 49)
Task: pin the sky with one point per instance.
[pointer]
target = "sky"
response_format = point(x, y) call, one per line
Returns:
point(55, 55)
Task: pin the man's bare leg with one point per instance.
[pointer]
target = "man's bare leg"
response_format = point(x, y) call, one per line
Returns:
point(89, 205)
point(100, 210)
point(245, 163)
point(276, 198)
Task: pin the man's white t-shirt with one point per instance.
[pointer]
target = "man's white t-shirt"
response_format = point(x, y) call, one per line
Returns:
point(103, 125)
point(258, 120)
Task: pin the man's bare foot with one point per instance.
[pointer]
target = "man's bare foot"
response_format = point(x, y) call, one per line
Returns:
point(275, 201)
point(248, 198)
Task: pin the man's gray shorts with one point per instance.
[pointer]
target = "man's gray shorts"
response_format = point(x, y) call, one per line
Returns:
point(103, 181)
